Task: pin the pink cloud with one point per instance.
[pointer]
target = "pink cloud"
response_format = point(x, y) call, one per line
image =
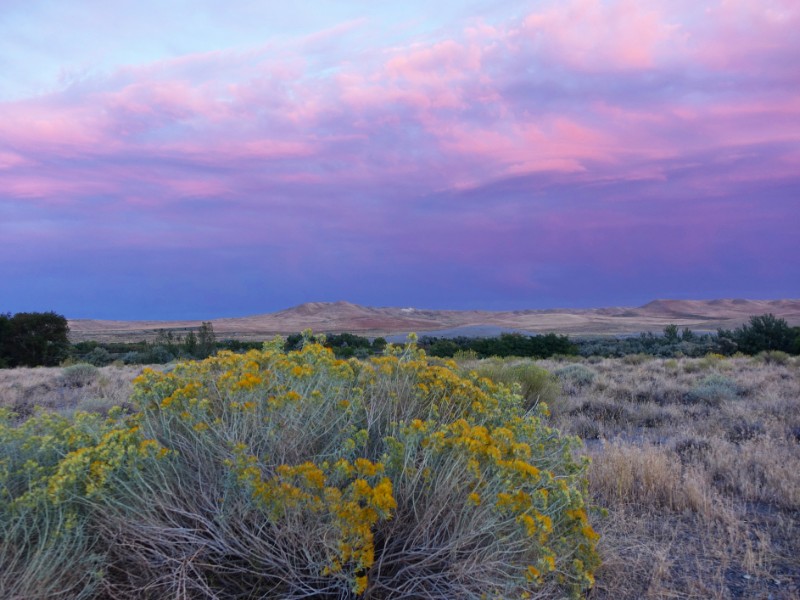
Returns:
point(485, 103)
point(51, 126)
point(10, 160)
point(446, 60)
point(749, 37)
point(593, 35)
point(52, 190)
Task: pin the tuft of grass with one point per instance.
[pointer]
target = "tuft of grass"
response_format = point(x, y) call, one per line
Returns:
point(773, 357)
point(66, 390)
point(648, 478)
point(604, 411)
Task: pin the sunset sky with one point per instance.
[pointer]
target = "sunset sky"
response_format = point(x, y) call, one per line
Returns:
point(201, 159)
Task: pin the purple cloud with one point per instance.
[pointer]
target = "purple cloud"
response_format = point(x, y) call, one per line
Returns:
point(650, 150)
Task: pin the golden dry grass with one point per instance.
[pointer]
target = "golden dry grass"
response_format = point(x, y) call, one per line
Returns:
point(24, 389)
point(697, 462)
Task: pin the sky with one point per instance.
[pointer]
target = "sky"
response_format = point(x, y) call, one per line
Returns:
point(199, 159)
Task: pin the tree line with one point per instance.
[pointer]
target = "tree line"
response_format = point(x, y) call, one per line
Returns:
point(763, 333)
point(168, 345)
point(506, 344)
point(41, 339)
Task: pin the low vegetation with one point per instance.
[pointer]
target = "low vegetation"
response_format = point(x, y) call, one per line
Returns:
point(274, 474)
point(286, 471)
point(697, 462)
point(764, 333)
point(35, 339)
point(506, 344)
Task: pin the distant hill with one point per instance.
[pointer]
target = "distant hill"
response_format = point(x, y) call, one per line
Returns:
point(337, 317)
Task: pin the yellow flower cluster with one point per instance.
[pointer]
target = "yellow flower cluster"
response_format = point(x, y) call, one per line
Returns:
point(340, 495)
point(510, 474)
point(86, 471)
point(369, 429)
point(582, 522)
point(67, 459)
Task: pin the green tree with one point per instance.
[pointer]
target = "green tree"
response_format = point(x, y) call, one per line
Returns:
point(765, 332)
point(34, 339)
point(190, 344)
point(671, 333)
point(379, 344)
point(725, 342)
point(443, 348)
point(206, 340)
point(4, 324)
point(167, 339)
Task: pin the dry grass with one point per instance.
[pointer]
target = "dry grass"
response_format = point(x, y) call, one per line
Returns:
point(23, 390)
point(697, 462)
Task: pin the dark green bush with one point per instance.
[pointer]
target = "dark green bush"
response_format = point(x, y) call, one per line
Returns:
point(504, 345)
point(763, 333)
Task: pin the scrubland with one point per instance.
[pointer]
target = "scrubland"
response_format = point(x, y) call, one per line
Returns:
point(694, 479)
point(697, 463)
point(66, 390)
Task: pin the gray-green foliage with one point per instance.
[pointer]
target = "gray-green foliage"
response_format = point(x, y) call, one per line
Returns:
point(577, 375)
point(275, 475)
point(100, 357)
point(714, 390)
point(535, 383)
point(79, 375)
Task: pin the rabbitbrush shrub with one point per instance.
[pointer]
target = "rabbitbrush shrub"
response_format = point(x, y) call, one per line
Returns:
point(288, 475)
